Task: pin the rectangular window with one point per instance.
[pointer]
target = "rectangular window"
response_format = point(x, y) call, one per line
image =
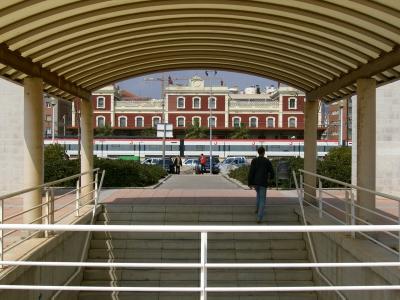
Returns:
point(180, 102)
point(236, 122)
point(181, 122)
point(211, 122)
point(196, 103)
point(100, 102)
point(139, 122)
point(212, 103)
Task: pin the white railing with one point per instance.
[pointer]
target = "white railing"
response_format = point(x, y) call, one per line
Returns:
point(59, 205)
point(340, 205)
point(203, 288)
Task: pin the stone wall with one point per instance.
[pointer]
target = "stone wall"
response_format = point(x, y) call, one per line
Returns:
point(11, 136)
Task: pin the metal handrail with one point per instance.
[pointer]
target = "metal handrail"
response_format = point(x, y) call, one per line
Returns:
point(48, 184)
point(300, 192)
point(204, 265)
point(351, 185)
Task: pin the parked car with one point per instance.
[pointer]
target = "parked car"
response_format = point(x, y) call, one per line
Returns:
point(191, 162)
point(169, 165)
point(215, 169)
point(231, 163)
point(151, 161)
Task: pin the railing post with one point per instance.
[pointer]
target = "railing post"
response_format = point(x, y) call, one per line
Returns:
point(51, 205)
point(77, 196)
point(320, 197)
point(301, 188)
point(203, 274)
point(352, 212)
point(1, 232)
point(96, 189)
point(347, 208)
point(398, 250)
point(47, 210)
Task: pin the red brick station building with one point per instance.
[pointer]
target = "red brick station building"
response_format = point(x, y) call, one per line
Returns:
point(267, 112)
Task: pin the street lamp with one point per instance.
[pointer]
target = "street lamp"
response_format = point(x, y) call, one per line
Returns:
point(210, 123)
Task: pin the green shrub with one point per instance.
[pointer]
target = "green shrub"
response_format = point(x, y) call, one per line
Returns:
point(119, 173)
point(336, 165)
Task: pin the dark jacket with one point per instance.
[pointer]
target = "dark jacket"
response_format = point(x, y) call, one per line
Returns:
point(260, 171)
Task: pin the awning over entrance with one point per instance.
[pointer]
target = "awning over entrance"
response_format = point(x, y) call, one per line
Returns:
point(320, 47)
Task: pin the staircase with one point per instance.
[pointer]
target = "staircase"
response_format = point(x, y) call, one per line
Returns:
point(185, 247)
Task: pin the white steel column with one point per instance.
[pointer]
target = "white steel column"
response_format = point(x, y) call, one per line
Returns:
point(366, 142)
point(33, 147)
point(86, 148)
point(310, 148)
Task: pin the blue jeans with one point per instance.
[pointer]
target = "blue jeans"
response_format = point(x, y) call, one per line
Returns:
point(261, 195)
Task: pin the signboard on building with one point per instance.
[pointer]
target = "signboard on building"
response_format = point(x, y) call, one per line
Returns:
point(168, 130)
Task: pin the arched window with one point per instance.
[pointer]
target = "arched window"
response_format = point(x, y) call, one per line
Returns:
point(292, 103)
point(155, 121)
point(253, 122)
point(292, 122)
point(180, 102)
point(122, 121)
point(212, 121)
point(196, 120)
point(196, 103)
point(139, 121)
point(270, 122)
point(100, 102)
point(236, 122)
point(180, 122)
point(100, 121)
point(212, 103)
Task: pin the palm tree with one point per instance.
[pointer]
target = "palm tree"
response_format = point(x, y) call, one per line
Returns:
point(195, 131)
point(241, 132)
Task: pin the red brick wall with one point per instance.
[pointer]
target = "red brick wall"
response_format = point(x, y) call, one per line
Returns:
point(204, 119)
point(300, 120)
point(300, 103)
point(131, 119)
point(107, 102)
point(172, 99)
point(245, 119)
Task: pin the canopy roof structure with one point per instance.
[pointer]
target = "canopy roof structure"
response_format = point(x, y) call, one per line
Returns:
point(318, 46)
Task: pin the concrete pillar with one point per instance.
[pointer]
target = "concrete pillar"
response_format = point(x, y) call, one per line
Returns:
point(310, 147)
point(33, 146)
point(366, 142)
point(86, 148)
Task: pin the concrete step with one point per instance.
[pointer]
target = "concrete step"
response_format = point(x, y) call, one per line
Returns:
point(193, 254)
point(203, 209)
point(195, 296)
point(194, 217)
point(196, 236)
point(195, 244)
point(233, 275)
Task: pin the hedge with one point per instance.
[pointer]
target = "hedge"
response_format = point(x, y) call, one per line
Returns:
point(119, 173)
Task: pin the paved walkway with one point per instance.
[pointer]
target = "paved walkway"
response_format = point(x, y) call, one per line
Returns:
point(198, 182)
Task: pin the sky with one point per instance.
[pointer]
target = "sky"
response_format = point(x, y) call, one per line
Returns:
point(152, 88)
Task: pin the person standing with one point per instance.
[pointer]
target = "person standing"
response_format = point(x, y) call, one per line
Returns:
point(260, 171)
point(202, 161)
point(178, 164)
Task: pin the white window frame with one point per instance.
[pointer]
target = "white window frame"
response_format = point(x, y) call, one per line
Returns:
point(126, 121)
point(252, 118)
point(233, 122)
point(215, 102)
point(155, 118)
point(97, 121)
point(215, 121)
point(295, 103)
point(295, 122)
point(273, 122)
point(177, 102)
point(177, 121)
point(104, 102)
point(136, 121)
point(196, 117)
point(196, 98)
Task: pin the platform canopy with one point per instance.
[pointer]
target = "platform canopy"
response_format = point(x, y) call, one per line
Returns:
point(318, 46)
